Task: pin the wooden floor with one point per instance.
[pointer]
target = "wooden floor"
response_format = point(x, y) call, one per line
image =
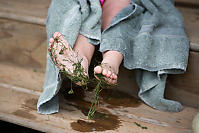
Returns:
point(19, 96)
point(22, 71)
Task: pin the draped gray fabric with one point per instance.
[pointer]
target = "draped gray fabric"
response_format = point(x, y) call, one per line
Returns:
point(149, 33)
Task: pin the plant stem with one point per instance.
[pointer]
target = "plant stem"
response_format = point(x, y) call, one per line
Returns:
point(95, 101)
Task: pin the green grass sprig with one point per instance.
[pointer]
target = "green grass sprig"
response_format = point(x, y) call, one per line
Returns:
point(95, 101)
point(139, 125)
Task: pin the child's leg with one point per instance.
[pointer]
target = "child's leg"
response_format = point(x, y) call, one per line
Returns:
point(84, 49)
point(64, 57)
point(110, 9)
point(111, 59)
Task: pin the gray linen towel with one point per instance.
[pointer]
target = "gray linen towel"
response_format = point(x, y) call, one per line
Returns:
point(149, 33)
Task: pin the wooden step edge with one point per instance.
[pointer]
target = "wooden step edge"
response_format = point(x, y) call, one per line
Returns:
point(187, 4)
point(194, 47)
point(23, 18)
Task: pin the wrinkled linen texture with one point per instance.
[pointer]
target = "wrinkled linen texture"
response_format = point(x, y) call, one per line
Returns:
point(149, 33)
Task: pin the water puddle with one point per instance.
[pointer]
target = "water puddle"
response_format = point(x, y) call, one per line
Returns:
point(24, 114)
point(31, 103)
point(103, 120)
point(117, 98)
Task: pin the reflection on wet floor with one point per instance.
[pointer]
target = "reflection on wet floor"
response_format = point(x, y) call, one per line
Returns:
point(103, 120)
point(117, 98)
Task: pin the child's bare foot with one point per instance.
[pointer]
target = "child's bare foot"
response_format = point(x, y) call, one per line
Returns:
point(109, 66)
point(107, 71)
point(67, 60)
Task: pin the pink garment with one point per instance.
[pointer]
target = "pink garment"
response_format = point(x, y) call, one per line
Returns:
point(102, 2)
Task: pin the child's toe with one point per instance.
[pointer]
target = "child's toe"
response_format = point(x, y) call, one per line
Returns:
point(108, 74)
point(51, 40)
point(98, 69)
point(114, 82)
point(111, 81)
point(108, 80)
point(104, 72)
point(114, 76)
point(56, 34)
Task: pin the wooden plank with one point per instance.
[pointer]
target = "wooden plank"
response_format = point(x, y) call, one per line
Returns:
point(22, 107)
point(22, 111)
point(184, 87)
point(191, 19)
point(187, 3)
point(194, 47)
point(25, 77)
point(32, 11)
point(23, 44)
point(20, 88)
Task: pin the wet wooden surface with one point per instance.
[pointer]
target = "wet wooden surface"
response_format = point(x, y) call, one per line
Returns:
point(22, 67)
point(18, 105)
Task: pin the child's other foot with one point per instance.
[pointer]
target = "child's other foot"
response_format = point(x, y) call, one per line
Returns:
point(109, 67)
point(67, 60)
point(109, 75)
